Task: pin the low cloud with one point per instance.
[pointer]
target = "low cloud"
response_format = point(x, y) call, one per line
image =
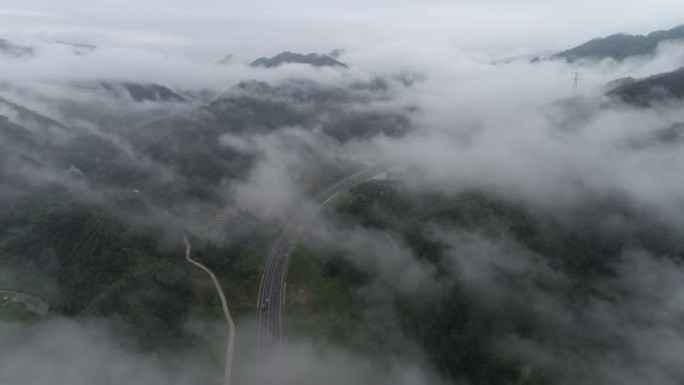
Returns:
point(61, 351)
point(515, 131)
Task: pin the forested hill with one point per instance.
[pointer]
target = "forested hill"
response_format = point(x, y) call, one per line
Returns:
point(497, 261)
point(621, 46)
point(656, 89)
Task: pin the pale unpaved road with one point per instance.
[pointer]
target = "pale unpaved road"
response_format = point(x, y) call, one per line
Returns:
point(226, 313)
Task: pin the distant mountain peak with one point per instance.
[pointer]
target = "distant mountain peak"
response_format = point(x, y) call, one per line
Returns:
point(226, 59)
point(336, 53)
point(313, 59)
point(9, 48)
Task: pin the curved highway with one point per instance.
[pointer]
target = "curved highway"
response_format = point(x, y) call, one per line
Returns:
point(271, 299)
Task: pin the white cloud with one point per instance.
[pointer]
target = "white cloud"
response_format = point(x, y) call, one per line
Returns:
point(265, 26)
point(24, 12)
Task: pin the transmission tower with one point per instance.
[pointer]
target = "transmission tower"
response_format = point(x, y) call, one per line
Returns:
point(575, 80)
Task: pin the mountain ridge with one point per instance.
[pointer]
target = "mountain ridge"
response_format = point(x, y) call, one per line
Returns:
point(620, 46)
point(287, 57)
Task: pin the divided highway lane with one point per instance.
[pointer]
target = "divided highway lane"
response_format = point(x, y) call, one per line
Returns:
point(271, 300)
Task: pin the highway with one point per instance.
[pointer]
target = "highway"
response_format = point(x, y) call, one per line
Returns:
point(271, 299)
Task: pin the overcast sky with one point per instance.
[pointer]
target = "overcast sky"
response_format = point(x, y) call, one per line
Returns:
point(212, 28)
